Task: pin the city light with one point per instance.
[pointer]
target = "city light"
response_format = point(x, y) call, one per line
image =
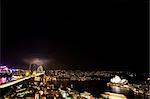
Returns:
point(43, 82)
point(27, 73)
point(34, 73)
point(53, 50)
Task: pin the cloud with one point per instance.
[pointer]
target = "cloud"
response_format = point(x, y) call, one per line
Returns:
point(37, 61)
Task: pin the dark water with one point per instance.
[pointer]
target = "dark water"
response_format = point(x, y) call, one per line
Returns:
point(94, 87)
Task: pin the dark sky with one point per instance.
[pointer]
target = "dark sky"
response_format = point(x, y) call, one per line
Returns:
point(109, 34)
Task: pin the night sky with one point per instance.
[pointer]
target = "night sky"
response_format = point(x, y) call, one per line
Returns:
point(107, 35)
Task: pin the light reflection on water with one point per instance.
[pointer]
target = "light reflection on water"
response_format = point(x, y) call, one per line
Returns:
point(119, 89)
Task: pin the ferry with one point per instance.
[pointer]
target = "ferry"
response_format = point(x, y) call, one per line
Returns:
point(110, 95)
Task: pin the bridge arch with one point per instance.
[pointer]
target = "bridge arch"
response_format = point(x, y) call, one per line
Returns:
point(37, 68)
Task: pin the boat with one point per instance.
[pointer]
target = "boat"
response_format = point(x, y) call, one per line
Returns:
point(110, 95)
